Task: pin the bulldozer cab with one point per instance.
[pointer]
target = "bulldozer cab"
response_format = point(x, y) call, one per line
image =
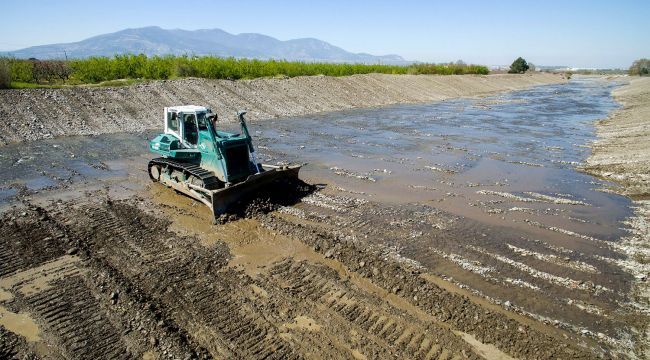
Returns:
point(185, 123)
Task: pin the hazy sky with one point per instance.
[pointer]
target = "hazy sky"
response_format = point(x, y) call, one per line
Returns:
point(575, 33)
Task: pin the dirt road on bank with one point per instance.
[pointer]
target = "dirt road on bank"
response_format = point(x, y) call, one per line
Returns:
point(43, 113)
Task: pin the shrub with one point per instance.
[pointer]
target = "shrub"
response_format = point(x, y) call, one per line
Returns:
point(519, 66)
point(183, 68)
point(50, 70)
point(21, 70)
point(5, 74)
point(640, 67)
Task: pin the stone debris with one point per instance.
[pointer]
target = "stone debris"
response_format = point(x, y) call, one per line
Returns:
point(554, 279)
point(351, 174)
point(554, 259)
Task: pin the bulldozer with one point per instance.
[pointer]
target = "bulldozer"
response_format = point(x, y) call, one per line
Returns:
point(215, 167)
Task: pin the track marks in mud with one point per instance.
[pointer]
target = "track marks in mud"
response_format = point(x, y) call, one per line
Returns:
point(561, 281)
point(219, 309)
point(13, 346)
point(381, 326)
point(365, 220)
point(72, 317)
point(185, 279)
point(563, 288)
point(482, 270)
point(9, 262)
point(184, 296)
point(51, 288)
point(402, 279)
point(132, 274)
point(554, 259)
point(25, 245)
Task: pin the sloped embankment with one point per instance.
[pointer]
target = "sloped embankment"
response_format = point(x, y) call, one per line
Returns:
point(622, 151)
point(622, 154)
point(34, 114)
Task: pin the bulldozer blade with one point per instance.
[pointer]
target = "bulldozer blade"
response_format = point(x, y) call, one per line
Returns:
point(223, 199)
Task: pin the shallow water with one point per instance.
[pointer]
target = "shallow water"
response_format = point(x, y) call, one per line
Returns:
point(446, 152)
point(55, 166)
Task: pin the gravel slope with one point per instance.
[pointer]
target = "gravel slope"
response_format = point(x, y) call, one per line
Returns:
point(33, 114)
point(622, 154)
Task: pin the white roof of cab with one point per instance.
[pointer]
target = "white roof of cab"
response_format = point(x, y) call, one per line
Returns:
point(188, 108)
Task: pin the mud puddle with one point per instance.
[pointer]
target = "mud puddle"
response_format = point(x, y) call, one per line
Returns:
point(478, 194)
point(64, 167)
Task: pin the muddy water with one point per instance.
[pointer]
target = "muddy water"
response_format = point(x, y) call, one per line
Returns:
point(60, 168)
point(460, 152)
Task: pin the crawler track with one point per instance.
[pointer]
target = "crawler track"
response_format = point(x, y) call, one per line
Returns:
point(208, 178)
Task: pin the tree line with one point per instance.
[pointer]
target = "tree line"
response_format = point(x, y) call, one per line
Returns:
point(95, 70)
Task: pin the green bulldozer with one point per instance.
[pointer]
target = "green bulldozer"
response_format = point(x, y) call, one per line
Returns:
point(212, 166)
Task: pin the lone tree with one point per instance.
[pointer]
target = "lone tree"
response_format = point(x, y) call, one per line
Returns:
point(519, 66)
point(640, 67)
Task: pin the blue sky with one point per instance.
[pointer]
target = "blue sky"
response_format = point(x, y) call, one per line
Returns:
point(574, 33)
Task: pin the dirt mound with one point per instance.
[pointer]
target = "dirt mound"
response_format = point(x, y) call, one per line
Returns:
point(286, 193)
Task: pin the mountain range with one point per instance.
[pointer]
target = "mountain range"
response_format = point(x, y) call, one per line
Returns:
point(154, 40)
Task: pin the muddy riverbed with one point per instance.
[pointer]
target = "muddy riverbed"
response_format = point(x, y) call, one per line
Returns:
point(453, 229)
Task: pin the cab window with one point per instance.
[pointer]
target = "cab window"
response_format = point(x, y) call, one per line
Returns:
point(202, 121)
point(190, 133)
point(172, 121)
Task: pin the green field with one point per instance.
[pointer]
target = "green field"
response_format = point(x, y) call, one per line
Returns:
point(98, 70)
